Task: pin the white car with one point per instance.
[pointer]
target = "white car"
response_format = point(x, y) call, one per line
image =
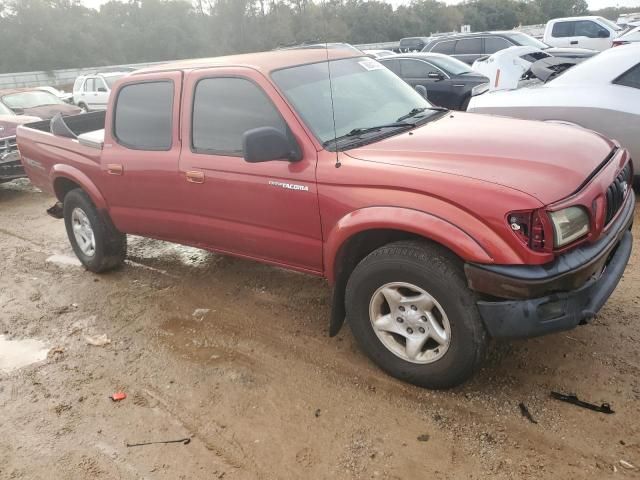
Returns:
point(505, 68)
point(62, 95)
point(379, 53)
point(596, 33)
point(91, 92)
point(601, 94)
point(630, 36)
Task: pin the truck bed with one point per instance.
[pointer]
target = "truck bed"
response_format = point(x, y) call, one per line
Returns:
point(75, 124)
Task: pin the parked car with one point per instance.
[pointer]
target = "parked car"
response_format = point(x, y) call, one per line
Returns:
point(596, 33)
point(10, 165)
point(380, 53)
point(35, 103)
point(62, 95)
point(413, 44)
point(469, 47)
point(91, 92)
point(448, 82)
point(630, 36)
point(601, 94)
point(509, 68)
point(437, 230)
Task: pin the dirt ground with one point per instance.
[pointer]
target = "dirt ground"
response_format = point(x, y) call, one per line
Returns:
point(262, 391)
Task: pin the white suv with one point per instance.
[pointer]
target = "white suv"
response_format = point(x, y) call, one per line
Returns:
point(596, 33)
point(91, 92)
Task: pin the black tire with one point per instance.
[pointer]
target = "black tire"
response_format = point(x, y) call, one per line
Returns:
point(110, 244)
point(84, 107)
point(436, 271)
point(465, 103)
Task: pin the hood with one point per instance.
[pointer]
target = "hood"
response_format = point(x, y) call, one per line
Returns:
point(9, 124)
point(46, 112)
point(545, 160)
point(570, 52)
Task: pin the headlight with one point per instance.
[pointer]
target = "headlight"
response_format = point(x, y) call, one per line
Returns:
point(569, 224)
point(479, 89)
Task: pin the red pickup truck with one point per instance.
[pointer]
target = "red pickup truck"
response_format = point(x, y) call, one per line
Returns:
point(437, 230)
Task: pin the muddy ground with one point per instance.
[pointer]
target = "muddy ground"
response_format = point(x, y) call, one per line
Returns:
point(261, 390)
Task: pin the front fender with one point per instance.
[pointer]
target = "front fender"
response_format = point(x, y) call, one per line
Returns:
point(403, 219)
point(75, 175)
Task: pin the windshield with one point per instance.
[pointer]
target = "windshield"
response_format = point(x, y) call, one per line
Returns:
point(610, 24)
point(450, 64)
point(112, 79)
point(365, 94)
point(5, 111)
point(528, 41)
point(30, 99)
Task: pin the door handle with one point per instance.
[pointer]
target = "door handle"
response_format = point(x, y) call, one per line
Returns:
point(573, 42)
point(195, 176)
point(115, 169)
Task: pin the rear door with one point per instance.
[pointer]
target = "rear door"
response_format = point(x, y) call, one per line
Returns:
point(469, 50)
point(438, 84)
point(263, 210)
point(140, 158)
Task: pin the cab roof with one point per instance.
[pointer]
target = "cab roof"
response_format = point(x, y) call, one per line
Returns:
point(264, 61)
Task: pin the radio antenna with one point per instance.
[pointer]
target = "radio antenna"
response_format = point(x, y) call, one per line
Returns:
point(333, 110)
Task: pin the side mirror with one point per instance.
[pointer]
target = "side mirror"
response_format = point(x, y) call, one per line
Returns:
point(435, 75)
point(603, 33)
point(18, 110)
point(265, 144)
point(421, 90)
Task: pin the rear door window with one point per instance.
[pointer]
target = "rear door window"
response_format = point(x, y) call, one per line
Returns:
point(143, 115)
point(563, 29)
point(495, 44)
point(224, 109)
point(392, 64)
point(630, 78)
point(469, 46)
point(445, 47)
point(89, 85)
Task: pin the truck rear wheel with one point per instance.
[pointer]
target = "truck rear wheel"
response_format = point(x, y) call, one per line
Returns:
point(412, 313)
point(95, 241)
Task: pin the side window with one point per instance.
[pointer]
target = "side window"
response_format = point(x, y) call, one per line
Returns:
point(495, 44)
point(562, 29)
point(143, 116)
point(445, 47)
point(89, 85)
point(223, 109)
point(587, 28)
point(469, 46)
point(100, 84)
point(392, 64)
point(415, 68)
point(630, 78)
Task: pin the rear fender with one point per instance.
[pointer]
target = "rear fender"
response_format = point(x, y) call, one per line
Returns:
point(68, 172)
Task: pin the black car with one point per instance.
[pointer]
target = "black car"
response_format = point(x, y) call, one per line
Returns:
point(468, 47)
point(448, 81)
point(413, 44)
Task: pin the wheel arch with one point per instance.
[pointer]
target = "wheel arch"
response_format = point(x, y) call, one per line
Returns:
point(65, 178)
point(361, 232)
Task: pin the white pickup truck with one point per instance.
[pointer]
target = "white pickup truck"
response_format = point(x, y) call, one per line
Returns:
point(596, 33)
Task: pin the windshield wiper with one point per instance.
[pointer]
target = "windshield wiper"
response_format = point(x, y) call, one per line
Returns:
point(357, 132)
point(416, 111)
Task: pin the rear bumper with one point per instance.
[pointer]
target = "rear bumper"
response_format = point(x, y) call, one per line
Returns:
point(559, 296)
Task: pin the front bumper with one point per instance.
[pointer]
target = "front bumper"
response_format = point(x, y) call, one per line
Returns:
point(10, 166)
point(559, 296)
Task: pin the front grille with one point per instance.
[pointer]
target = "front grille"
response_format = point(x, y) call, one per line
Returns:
point(617, 191)
point(8, 145)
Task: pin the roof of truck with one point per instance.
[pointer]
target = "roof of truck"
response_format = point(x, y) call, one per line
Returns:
point(263, 61)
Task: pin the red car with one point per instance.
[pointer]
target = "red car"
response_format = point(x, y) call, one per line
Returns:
point(438, 230)
point(36, 103)
point(10, 165)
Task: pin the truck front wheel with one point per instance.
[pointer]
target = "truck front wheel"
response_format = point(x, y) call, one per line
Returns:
point(412, 313)
point(95, 241)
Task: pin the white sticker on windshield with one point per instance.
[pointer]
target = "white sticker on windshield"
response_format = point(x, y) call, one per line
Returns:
point(371, 64)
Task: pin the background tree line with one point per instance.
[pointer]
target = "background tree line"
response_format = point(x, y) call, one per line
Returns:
point(52, 34)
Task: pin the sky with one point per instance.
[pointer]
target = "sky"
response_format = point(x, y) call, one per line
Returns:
point(593, 4)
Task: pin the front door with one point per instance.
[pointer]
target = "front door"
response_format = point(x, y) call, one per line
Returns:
point(438, 84)
point(261, 210)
